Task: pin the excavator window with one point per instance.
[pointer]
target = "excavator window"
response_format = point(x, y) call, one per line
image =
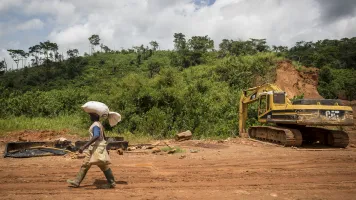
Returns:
point(263, 104)
point(279, 98)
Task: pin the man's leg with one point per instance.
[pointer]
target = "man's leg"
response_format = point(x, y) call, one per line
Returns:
point(109, 176)
point(83, 170)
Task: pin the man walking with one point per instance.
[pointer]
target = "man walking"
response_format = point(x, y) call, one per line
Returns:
point(95, 154)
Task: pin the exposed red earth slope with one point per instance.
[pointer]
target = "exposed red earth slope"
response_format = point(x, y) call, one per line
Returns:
point(297, 82)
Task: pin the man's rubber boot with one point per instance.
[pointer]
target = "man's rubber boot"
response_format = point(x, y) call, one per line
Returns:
point(110, 178)
point(80, 176)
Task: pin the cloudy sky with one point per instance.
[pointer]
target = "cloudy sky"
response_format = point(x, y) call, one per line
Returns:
point(127, 23)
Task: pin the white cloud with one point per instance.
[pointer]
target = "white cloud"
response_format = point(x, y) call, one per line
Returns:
point(31, 24)
point(62, 11)
point(6, 4)
point(71, 36)
point(133, 22)
point(128, 23)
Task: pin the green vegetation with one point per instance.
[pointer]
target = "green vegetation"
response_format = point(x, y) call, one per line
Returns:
point(339, 54)
point(177, 149)
point(337, 83)
point(337, 61)
point(73, 123)
point(298, 97)
point(158, 93)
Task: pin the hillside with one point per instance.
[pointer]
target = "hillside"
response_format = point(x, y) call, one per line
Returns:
point(161, 92)
point(202, 98)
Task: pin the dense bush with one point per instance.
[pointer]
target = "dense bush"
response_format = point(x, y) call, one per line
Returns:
point(36, 103)
point(337, 83)
point(155, 99)
point(338, 54)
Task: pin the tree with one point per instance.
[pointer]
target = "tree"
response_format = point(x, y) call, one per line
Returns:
point(72, 53)
point(17, 55)
point(154, 67)
point(2, 67)
point(180, 58)
point(242, 48)
point(325, 75)
point(154, 45)
point(350, 89)
point(142, 53)
point(259, 45)
point(198, 46)
point(225, 47)
point(279, 49)
point(35, 51)
point(179, 42)
point(105, 48)
point(54, 49)
point(201, 43)
point(48, 49)
point(94, 41)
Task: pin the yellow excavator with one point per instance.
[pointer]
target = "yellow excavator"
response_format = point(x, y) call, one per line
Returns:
point(294, 123)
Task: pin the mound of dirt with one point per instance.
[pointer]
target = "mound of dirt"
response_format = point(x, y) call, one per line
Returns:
point(42, 135)
point(297, 82)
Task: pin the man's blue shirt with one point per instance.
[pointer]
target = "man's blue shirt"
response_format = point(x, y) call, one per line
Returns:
point(96, 131)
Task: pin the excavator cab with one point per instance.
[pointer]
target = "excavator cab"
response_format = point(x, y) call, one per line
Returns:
point(267, 100)
point(263, 106)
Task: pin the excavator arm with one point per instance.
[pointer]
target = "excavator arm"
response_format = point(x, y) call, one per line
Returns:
point(252, 95)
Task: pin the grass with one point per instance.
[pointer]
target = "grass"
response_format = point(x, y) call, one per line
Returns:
point(298, 66)
point(71, 123)
point(75, 125)
point(178, 149)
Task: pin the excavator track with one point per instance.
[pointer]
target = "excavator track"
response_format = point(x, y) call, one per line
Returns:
point(334, 138)
point(297, 136)
point(339, 139)
point(279, 135)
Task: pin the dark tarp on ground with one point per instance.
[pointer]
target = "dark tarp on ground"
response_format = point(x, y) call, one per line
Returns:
point(26, 153)
point(40, 148)
point(53, 148)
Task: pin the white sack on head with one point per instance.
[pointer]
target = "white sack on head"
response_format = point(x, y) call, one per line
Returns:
point(114, 118)
point(96, 107)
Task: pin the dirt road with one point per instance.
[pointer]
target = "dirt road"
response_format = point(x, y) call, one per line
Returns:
point(237, 169)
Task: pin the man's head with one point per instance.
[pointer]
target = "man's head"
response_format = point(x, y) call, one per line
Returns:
point(94, 117)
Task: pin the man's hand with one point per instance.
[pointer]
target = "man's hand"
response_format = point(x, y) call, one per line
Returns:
point(88, 144)
point(81, 149)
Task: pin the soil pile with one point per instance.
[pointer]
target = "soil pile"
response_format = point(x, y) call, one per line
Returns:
point(297, 82)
